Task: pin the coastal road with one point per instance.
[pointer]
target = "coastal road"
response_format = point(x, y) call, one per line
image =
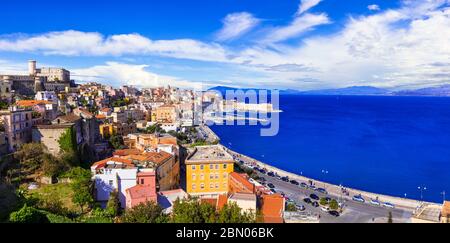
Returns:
point(354, 212)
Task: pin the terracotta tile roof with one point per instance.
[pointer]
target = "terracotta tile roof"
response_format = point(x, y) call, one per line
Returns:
point(106, 109)
point(100, 116)
point(28, 103)
point(157, 157)
point(446, 209)
point(141, 191)
point(221, 201)
point(102, 163)
point(272, 208)
point(242, 179)
point(124, 152)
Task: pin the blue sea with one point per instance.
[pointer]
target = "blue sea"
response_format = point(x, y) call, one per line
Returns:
point(382, 144)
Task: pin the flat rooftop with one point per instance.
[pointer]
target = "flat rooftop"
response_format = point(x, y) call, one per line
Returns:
point(210, 153)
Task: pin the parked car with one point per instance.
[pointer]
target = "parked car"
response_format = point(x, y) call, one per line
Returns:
point(325, 209)
point(262, 179)
point(315, 204)
point(300, 207)
point(312, 187)
point(286, 179)
point(375, 202)
point(358, 198)
point(334, 213)
point(271, 174)
point(314, 196)
point(388, 205)
point(304, 185)
point(270, 185)
point(263, 171)
point(321, 190)
point(307, 200)
point(328, 199)
point(273, 190)
point(294, 182)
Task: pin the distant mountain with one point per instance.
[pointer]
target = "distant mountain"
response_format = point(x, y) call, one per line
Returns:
point(443, 90)
point(354, 90)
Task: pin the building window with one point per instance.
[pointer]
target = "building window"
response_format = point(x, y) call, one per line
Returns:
point(202, 177)
point(193, 177)
point(211, 176)
point(211, 186)
point(224, 166)
point(210, 166)
point(225, 175)
point(217, 167)
point(193, 167)
point(193, 186)
point(142, 181)
point(217, 175)
point(202, 167)
point(202, 186)
point(225, 185)
point(110, 182)
point(217, 185)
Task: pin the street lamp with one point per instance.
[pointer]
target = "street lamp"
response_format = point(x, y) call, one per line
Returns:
point(422, 188)
point(443, 195)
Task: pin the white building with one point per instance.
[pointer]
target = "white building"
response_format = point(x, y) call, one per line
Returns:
point(113, 174)
point(46, 95)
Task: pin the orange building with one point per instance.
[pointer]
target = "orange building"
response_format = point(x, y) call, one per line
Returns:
point(272, 208)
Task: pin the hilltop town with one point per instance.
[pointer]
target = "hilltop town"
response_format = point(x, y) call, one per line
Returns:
point(95, 153)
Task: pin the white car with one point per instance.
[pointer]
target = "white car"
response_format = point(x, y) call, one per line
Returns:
point(324, 209)
point(375, 202)
point(388, 205)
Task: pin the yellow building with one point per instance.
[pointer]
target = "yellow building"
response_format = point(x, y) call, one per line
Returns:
point(207, 171)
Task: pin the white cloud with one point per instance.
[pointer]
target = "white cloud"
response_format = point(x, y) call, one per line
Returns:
point(76, 43)
point(298, 26)
point(236, 25)
point(115, 73)
point(373, 7)
point(305, 5)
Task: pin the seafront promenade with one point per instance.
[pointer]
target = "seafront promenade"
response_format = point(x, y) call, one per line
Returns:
point(334, 190)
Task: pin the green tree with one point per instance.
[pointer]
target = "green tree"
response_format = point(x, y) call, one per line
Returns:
point(291, 207)
point(52, 166)
point(232, 213)
point(68, 146)
point(27, 215)
point(334, 205)
point(30, 156)
point(82, 195)
point(192, 210)
point(113, 205)
point(116, 142)
point(323, 201)
point(148, 212)
point(77, 173)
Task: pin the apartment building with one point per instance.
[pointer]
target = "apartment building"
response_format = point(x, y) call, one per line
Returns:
point(207, 171)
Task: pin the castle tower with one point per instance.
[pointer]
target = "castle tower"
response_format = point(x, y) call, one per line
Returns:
point(32, 67)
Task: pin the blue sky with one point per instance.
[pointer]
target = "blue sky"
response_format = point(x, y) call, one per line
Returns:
point(301, 44)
